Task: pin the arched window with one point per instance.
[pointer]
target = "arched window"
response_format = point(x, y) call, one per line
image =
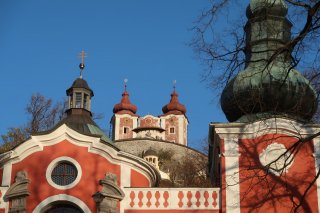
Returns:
point(63, 208)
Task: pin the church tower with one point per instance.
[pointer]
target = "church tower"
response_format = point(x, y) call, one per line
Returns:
point(267, 158)
point(124, 119)
point(175, 121)
point(171, 126)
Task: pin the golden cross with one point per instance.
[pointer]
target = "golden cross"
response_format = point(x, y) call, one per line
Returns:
point(82, 55)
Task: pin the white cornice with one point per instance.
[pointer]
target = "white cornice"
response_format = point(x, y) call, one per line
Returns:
point(110, 152)
point(267, 126)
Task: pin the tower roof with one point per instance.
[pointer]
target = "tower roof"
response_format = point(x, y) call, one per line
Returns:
point(150, 152)
point(174, 106)
point(268, 86)
point(125, 106)
point(256, 5)
point(79, 83)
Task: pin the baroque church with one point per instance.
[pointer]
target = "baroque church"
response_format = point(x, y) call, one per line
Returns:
point(265, 159)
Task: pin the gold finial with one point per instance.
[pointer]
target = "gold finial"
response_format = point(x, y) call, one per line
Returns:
point(174, 85)
point(82, 55)
point(125, 84)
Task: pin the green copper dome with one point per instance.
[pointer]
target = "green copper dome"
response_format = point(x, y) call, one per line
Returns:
point(261, 4)
point(268, 87)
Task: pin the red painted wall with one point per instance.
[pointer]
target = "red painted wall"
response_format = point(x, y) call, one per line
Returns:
point(223, 178)
point(263, 192)
point(94, 167)
point(139, 180)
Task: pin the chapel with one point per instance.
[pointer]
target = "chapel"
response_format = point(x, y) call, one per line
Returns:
point(264, 159)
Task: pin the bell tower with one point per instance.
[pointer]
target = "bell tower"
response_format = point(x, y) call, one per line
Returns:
point(124, 119)
point(174, 120)
point(80, 94)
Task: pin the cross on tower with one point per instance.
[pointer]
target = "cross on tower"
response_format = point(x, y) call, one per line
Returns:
point(82, 55)
point(125, 84)
point(174, 85)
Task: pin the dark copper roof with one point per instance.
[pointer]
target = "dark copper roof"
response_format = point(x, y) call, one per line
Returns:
point(80, 121)
point(79, 83)
point(150, 152)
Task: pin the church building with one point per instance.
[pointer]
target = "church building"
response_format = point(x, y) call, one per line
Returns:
point(266, 159)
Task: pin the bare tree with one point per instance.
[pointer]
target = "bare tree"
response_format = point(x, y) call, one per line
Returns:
point(223, 49)
point(226, 52)
point(43, 114)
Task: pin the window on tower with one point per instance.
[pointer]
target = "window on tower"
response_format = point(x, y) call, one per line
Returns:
point(171, 130)
point(125, 130)
point(85, 102)
point(71, 101)
point(78, 99)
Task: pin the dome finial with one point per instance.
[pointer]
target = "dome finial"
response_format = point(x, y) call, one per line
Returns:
point(125, 84)
point(82, 55)
point(174, 85)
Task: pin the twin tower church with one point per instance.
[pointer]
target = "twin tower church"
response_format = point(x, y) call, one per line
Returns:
point(265, 159)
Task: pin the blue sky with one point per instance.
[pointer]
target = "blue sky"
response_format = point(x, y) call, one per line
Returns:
point(144, 41)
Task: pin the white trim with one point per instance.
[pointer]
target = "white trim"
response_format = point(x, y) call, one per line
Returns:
point(173, 202)
point(231, 154)
point(62, 197)
point(180, 128)
point(125, 181)
point(6, 176)
point(117, 126)
point(125, 176)
point(92, 143)
point(267, 126)
point(316, 144)
point(53, 164)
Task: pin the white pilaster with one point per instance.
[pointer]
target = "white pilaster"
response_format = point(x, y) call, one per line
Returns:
point(181, 127)
point(125, 176)
point(231, 155)
point(6, 178)
point(116, 126)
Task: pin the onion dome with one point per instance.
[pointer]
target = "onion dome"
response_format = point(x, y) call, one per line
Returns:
point(268, 87)
point(125, 106)
point(174, 107)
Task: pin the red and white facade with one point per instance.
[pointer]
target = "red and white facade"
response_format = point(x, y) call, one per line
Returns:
point(172, 126)
point(266, 166)
point(93, 159)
